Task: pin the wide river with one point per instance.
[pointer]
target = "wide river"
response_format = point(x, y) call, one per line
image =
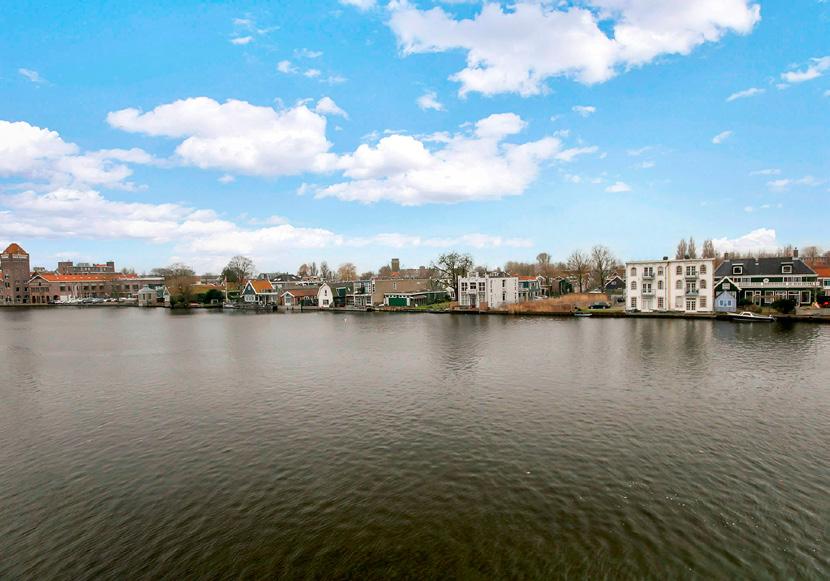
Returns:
point(145, 444)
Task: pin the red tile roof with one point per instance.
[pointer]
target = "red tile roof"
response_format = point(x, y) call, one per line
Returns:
point(14, 248)
point(527, 278)
point(261, 285)
point(822, 271)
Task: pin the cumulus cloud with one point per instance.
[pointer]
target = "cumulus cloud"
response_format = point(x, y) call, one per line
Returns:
point(307, 53)
point(236, 135)
point(478, 165)
point(429, 100)
point(754, 91)
point(327, 106)
point(721, 137)
point(814, 69)
point(760, 240)
point(517, 49)
point(618, 187)
point(286, 67)
point(35, 153)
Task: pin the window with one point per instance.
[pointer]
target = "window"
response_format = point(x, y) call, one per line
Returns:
point(679, 270)
point(691, 305)
point(659, 285)
point(737, 269)
point(691, 271)
point(679, 285)
point(702, 283)
point(702, 302)
point(503, 282)
point(633, 271)
point(660, 305)
point(678, 303)
point(633, 285)
point(633, 302)
point(702, 269)
point(787, 269)
point(504, 296)
point(660, 271)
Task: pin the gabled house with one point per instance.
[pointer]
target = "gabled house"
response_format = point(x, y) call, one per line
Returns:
point(530, 288)
point(823, 277)
point(615, 285)
point(726, 296)
point(259, 292)
point(325, 296)
point(763, 281)
point(299, 297)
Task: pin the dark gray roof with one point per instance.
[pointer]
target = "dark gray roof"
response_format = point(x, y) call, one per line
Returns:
point(762, 266)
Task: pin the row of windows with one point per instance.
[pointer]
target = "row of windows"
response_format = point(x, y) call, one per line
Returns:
point(691, 304)
point(691, 270)
point(678, 285)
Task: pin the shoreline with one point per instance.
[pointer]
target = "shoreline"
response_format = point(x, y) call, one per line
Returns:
point(602, 314)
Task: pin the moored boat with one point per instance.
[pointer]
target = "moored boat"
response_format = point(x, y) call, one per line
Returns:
point(748, 317)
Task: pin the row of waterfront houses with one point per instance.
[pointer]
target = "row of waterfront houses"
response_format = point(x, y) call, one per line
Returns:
point(703, 285)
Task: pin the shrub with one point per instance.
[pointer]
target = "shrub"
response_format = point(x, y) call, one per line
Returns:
point(784, 306)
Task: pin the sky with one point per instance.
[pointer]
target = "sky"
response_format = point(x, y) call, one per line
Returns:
point(360, 130)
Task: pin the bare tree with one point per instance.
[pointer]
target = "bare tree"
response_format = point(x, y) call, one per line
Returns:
point(709, 249)
point(179, 279)
point(303, 270)
point(325, 271)
point(519, 268)
point(384, 271)
point(579, 265)
point(602, 263)
point(368, 275)
point(682, 250)
point(239, 269)
point(312, 269)
point(448, 267)
point(691, 249)
point(810, 253)
point(545, 268)
point(347, 271)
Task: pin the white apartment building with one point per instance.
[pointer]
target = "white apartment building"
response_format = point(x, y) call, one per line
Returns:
point(670, 285)
point(493, 290)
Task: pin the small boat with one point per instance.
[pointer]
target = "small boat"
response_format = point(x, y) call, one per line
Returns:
point(581, 314)
point(230, 306)
point(748, 317)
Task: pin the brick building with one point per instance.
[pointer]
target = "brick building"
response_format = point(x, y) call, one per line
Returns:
point(68, 267)
point(14, 264)
point(50, 287)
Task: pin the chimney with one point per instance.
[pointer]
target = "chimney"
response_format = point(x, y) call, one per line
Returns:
point(665, 258)
point(726, 256)
point(396, 264)
point(795, 252)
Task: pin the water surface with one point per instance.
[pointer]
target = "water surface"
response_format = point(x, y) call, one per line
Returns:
point(145, 444)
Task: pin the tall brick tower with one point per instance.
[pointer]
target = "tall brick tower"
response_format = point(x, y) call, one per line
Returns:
point(14, 262)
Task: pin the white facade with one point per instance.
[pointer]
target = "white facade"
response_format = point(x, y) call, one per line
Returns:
point(685, 286)
point(488, 291)
point(325, 297)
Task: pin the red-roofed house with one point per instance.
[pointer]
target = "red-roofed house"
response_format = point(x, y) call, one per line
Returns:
point(299, 297)
point(50, 287)
point(259, 291)
point(823, 273)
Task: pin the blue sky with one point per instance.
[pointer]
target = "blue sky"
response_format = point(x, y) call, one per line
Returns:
point(357, 131)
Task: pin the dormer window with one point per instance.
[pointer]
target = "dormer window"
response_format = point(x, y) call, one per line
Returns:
point(738, 269)
point(787, 269)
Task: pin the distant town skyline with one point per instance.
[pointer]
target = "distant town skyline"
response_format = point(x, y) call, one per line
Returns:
point(361, 130)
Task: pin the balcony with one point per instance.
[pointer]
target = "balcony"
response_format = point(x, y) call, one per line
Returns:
point(647, 293)
point(692, 292)
point(691, 276)
point(648, 276)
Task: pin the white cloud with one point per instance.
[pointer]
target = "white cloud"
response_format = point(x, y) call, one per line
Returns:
point(646, 165)
point(518, 49)
point(226, 179)
point(32, 75)
point(584, 110)
point(312, 73)
point(771, 171)
point(242, 40)
point(461, 167)
point(359, 4)
point(827, 93)
point(762, 239)
point(618, 187)
point(307, 53)
point(235, 135)
point(640, 151)
point(40, 154)
point(721, 137)
point(783, 184)
point(286, 67)
point(429, 100)
point(327, 106)
point(816, 68)
point(200, 236)
point(745, 94)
